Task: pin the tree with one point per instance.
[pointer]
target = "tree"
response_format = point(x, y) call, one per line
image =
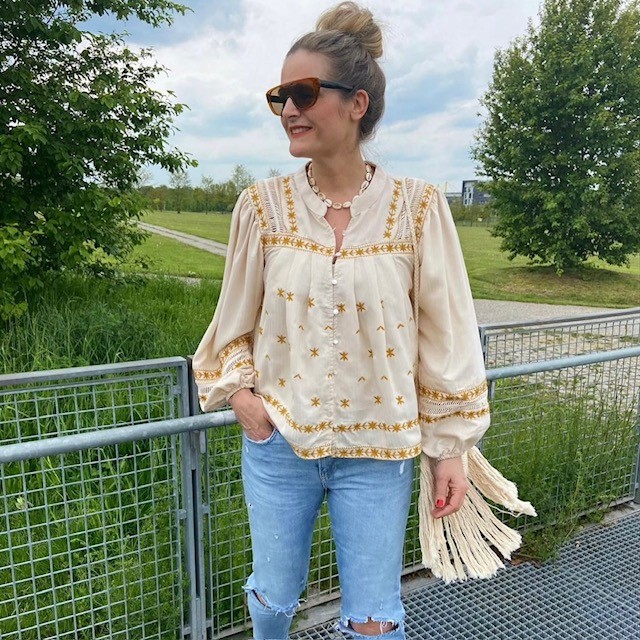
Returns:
point(78, 122)
point(241, 178)
point(208, 186)
point(561, 140)
point(181, 185)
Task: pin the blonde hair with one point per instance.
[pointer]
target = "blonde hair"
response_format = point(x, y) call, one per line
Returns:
point(350, 38)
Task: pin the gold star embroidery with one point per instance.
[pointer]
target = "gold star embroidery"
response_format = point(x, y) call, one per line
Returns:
point(341, 307)
point(311, 303)
point(390, 353)
point(378, 399)
point(289, 296)
point(282, 339)
point(344, 355)
point(344, 403)
point(399, 399)
point(257, 374)
point(387, 234)
point(280, 293)
point(282, 382)
point(360, 306)
point(261, 330)
point(314, 352)
point(315, 402)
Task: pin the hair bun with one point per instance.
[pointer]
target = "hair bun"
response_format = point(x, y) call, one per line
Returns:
point(350, 18)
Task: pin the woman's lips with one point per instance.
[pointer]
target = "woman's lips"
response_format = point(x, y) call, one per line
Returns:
point(298, 131)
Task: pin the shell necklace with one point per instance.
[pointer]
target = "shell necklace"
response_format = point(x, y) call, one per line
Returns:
point(339, 205)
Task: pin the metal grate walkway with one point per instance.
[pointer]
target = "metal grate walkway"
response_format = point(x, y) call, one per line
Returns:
point(591, 592)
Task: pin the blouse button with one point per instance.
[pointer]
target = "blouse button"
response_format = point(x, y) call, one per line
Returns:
point(335, 342)
point(335, 312)
point(334, 282)
point(338, 254)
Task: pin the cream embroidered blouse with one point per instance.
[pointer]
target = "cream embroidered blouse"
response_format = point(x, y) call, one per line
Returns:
point(329, 343)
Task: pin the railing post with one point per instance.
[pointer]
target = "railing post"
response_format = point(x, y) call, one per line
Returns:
point(636, 474)
point(192, 445)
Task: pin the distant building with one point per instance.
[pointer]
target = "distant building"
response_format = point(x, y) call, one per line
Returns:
point(471, 194)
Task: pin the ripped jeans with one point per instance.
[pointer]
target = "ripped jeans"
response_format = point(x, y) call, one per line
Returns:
point(368, 504)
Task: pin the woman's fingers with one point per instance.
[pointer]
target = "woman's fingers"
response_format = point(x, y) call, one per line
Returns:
point(451, 486)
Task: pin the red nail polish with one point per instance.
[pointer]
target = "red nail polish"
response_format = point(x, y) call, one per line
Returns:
point(439, 502)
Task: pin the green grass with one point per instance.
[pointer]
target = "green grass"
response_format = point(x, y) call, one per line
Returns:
point(171, 257)
point(494, 277)
point(491, 274)
point(569, 450)
point(213, 226)
point(78, 321)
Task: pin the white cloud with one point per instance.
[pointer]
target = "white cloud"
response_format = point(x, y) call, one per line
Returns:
point(438, 61)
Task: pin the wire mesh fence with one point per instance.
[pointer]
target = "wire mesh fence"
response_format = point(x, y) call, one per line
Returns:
point(517, 343)
point(568, 437)
point(114, 541)
point(90, 542)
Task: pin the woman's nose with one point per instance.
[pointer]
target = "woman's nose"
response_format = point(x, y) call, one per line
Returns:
point(290, 108)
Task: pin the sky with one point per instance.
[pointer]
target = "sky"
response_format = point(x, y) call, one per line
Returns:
point(223, 55)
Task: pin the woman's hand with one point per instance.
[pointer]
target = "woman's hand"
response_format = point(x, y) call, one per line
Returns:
point(251, 415)
point(451, 486)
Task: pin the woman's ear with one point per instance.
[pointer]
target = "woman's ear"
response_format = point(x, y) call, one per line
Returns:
point(360, 104)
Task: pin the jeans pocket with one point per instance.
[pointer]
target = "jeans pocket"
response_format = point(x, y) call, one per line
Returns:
point(261, 442)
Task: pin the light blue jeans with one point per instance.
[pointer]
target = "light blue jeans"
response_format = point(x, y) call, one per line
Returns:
point(368, 504)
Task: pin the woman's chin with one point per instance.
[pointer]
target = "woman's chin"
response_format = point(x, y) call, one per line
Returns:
point(298, 150)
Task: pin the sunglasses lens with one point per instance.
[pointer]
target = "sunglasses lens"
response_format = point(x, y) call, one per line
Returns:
point(304, 95)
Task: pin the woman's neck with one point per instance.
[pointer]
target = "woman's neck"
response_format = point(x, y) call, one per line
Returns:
point(339, 178)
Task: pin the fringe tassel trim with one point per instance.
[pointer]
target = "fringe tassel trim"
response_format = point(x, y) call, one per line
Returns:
point(466, 543)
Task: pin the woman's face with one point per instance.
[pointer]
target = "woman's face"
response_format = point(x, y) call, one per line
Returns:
point(327, 128)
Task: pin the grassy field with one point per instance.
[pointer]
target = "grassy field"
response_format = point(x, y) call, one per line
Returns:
point(491, 274)
point(171, 257)
point(77, 321)
point(494, 277)
point(213, 226)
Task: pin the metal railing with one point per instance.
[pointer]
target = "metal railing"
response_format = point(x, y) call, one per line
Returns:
point(512, 343)
point(134, 526)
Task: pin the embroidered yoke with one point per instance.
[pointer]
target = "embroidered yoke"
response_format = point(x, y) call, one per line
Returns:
point(327, 339)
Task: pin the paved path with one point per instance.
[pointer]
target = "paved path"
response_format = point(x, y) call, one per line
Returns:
point(494, 311)
point(488, 311)
point(211, 246)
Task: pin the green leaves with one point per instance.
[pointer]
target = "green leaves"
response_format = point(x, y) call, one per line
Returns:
point(561, 139)
point(78, 120)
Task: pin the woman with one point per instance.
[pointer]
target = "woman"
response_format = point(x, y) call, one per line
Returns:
point(316, 345)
